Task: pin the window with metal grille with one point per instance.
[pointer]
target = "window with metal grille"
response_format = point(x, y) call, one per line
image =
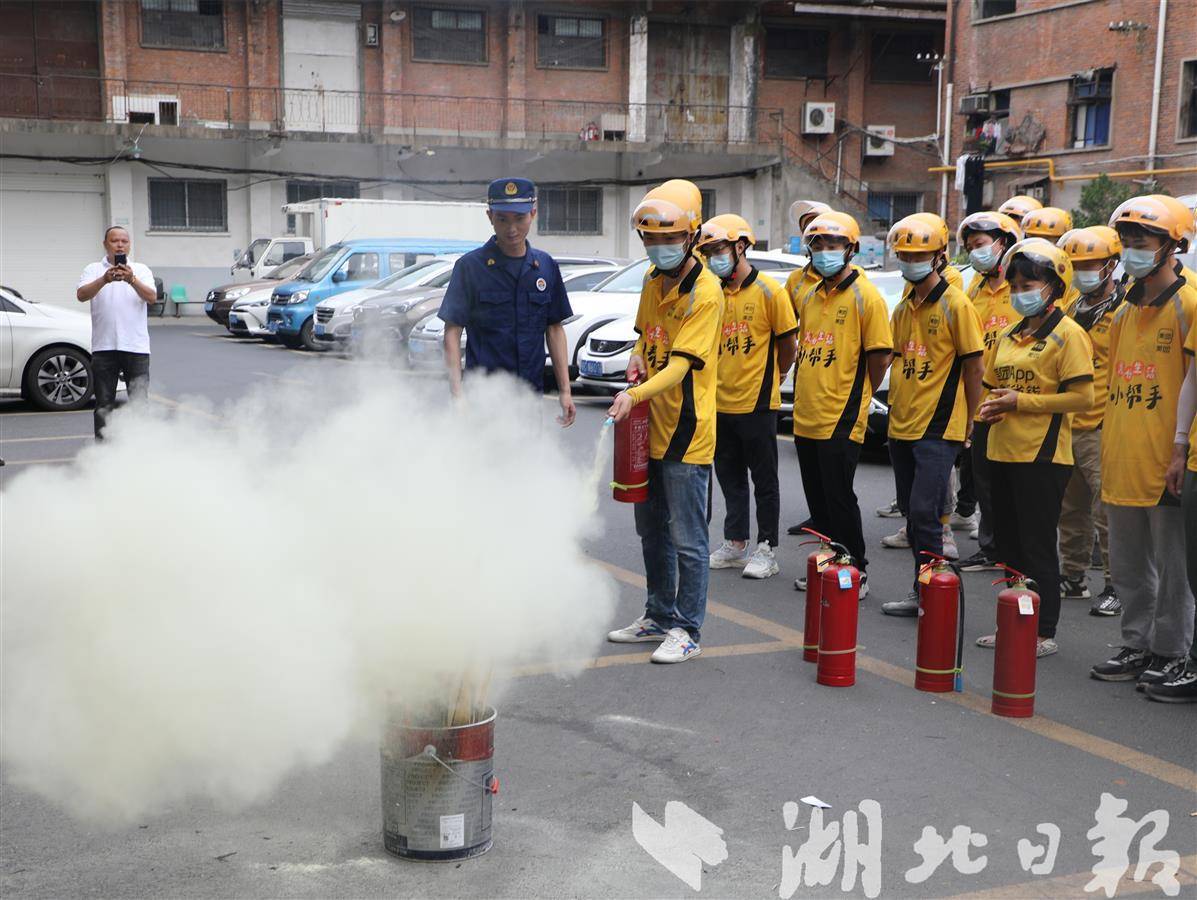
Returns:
point(448, 35)
point(298, 191)
point(188, 205)
point(1089, 99)
point(795, 53)
point(183, 24)
point(570, 211)
point(895, 56)
point(1188, 99)
point(885, 208)
point(569, 42)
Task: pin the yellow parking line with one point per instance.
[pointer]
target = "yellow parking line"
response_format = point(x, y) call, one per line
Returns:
point(1128, 757)
point(38, 440)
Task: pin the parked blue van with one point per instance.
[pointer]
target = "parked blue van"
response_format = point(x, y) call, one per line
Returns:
point(344, 267)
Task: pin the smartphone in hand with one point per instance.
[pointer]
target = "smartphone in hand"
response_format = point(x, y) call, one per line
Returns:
point(121, 259)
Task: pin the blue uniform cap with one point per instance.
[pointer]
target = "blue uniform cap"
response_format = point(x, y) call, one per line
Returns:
point(516, 195)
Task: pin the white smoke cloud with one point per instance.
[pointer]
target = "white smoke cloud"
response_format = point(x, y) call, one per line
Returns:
point(198, 607)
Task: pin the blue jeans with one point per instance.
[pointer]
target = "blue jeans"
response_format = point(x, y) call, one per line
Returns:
point(672, 524)
point(922, 470)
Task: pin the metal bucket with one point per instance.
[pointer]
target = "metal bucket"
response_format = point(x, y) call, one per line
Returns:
point(437, 787)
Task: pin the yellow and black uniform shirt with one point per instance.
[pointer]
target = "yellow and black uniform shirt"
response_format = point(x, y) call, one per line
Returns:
point(932, 339)
point(951, 273)
point(802, 280)
point(836, 331)
point(1191, 353)
point(1146, 369)
point(993, 306)
point(683, 321)
point(754, 317)
point(1096, 321)
point(1040, 363)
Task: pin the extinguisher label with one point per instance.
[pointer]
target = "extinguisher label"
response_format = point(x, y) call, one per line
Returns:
point(845, 578)
point(822, 560)
point(640, 445)
point(925, 575)
point(1025, 607)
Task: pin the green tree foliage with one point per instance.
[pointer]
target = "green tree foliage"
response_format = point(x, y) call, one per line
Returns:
point(1101, 196)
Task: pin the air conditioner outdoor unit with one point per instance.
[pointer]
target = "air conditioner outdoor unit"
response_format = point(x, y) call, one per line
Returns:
point(818, 118)
point(974, 104)
point(875, 146)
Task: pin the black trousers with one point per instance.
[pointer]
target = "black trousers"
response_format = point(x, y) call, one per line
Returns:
point(828, 472)
point(1026, 501)
point(983, 487)
point(107, 368)
point(744, 443)
point(966, 496)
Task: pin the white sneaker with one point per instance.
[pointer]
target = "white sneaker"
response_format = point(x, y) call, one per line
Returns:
point(890, 511)
point(643, 629)
point(864, 587)
point(950, 550)
point(678, 647)
point(762, 563)
point(897, 540)
point(975, 533)
point(964, 523)
point(729, 556)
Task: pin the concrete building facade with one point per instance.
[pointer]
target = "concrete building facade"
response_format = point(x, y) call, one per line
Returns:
point(194, 122)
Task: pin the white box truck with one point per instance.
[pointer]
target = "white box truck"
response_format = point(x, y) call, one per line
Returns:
point(330, 220)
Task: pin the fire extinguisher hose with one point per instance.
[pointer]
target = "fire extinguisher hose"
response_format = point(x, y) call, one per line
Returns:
point(628, 487)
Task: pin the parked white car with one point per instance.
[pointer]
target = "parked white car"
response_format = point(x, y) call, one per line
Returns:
point(604, 360)
point(334, 316)
point(619, 295)
point(45, 353)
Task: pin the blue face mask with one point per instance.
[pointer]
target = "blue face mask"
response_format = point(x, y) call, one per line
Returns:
point(914, 272)
point(1028, 303)
point(1087, 282)
point(721, 265)
point(828, 262)
point(666, 257)
point(984, 258)
point(1138, 263)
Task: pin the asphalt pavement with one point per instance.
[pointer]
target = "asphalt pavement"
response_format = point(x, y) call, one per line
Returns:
point(735, 735)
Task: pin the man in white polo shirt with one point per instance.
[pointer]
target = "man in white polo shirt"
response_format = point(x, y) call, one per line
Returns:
point(120, 339)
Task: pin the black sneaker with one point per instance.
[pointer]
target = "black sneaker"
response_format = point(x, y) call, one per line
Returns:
point(1181, 689)
point(1106, 603)
point(1162, 669)
point(978, 562)
point(1127, 665)
point(1074, 588)
point(797, 529)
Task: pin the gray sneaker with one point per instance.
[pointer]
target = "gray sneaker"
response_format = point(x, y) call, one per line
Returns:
point(908, 606)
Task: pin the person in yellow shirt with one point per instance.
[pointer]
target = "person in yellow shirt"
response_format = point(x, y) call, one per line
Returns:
point(933, 398)
point(1018, 206)
point(1094, 253)
point(1147, 368)
point(986, 236)
point(1184, 215)
point(756, 345)
point(802, 213)
point(673, 367)
point(1181, 481)
point(1040, 371)
point(844, 347)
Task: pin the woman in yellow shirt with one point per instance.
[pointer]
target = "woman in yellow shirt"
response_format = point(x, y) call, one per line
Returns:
point(1040, 372)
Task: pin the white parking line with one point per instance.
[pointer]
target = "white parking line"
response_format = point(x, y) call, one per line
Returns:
point(38, 440)
point(68, 412)
point(37, 462)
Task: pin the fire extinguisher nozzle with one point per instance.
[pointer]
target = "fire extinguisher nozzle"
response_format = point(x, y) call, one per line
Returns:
point(608, 422)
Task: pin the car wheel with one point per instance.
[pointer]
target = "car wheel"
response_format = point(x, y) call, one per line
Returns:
point(307, 338)
point(59, 379)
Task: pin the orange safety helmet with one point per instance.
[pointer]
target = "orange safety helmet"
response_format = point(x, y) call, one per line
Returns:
point(1050, 223)
point(1094, 242)
point(833, 224)
point(675, 206)
point(1181, 211)
point(919, 232)
point(727, 227)
point(1153, 213)
point(1019, 205)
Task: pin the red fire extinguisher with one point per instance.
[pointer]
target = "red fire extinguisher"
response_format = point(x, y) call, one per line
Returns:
point(814, 593)
point(1015, 648)
point(939, 659)
point(630, 482)
point(838, 614)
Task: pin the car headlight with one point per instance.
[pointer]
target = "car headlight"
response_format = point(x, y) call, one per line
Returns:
point(298, 297)
point(262, 301)
point(239, 292)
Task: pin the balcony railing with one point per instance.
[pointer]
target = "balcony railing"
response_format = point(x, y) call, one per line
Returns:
point(73, 97)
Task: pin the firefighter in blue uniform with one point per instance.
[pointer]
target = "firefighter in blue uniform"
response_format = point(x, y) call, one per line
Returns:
point(511, 298)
